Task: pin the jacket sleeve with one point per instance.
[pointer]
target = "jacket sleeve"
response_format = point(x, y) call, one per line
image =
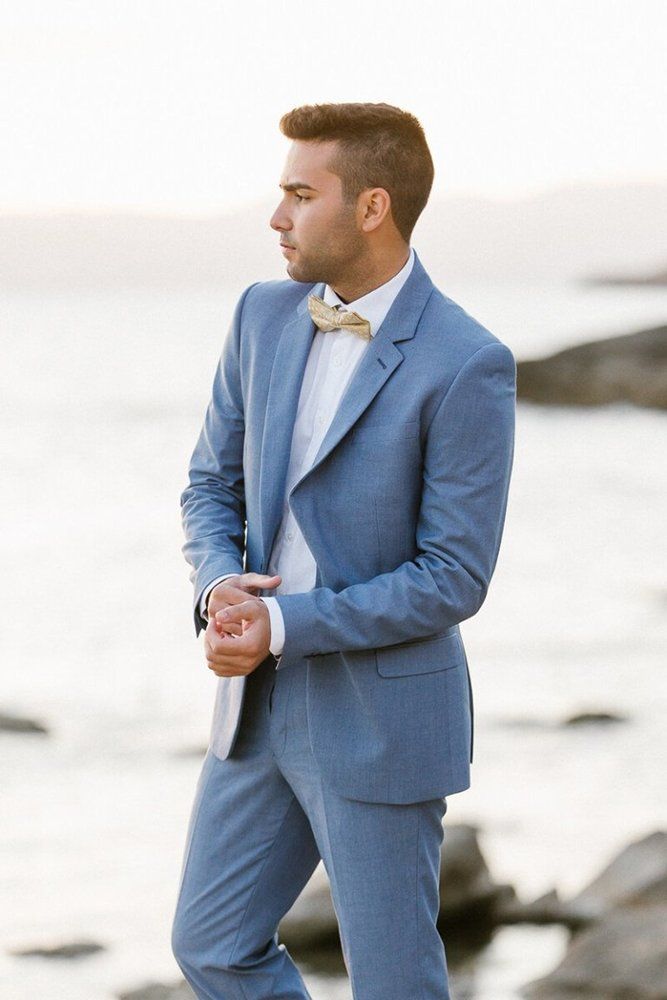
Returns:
point(468, 457)
point(213, 504)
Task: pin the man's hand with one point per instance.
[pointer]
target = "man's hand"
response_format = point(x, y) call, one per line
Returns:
point(235, 588)
point(237, 638)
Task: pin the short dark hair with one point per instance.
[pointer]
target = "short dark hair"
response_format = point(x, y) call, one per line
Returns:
point(379, 146)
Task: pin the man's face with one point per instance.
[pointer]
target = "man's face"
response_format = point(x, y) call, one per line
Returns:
point(319, 228)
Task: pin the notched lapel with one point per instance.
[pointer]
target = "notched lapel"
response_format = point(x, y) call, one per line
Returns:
point(379, 361)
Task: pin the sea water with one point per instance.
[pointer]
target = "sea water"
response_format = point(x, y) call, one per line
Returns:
point(103, 395)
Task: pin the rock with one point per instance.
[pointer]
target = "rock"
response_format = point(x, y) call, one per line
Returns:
point(630, 368)
point(69, 949)
point(623, 957)
point(191, 751)
point(654, 278)
point(467, 891)
point(525, 722)
point(20, 724)
point(636, 876)
point(582, 718)
point(546, 909)
point(159, 991)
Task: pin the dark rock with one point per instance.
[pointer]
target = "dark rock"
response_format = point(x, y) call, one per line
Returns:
point(20, 724)
point(630, 368)
point(546, 909)
point(69, 949)
point(636, 876)
point(623, 954)
point(159, 991)
point(623, 957)
point(582, 718)
point(467, 890)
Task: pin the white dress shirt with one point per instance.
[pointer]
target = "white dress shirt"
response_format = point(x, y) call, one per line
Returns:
point(332, 361)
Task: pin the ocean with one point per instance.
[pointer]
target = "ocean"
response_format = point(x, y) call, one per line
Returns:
point(102, 398)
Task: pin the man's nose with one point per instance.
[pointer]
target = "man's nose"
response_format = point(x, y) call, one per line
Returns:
point(279, 221)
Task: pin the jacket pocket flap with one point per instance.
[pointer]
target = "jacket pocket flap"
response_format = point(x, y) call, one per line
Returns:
point(420, 656)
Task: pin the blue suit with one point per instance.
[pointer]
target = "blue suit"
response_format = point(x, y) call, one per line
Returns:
point(403, 510)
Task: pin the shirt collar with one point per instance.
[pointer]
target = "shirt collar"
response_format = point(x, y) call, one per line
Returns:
point(374, 305)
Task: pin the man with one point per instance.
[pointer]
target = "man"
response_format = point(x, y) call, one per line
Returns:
point(360, 432)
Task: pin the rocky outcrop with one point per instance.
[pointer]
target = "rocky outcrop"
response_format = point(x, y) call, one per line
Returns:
point(627, 369)
point(20, 724)
point(635, 877)
point(468, 893)
point(622, 957)
point(621, 954)
point(594, 718)
point(66, 949)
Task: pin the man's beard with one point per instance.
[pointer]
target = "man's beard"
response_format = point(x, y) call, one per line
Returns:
point(326, 266)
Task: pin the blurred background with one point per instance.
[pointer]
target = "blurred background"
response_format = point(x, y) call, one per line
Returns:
point(140, 167)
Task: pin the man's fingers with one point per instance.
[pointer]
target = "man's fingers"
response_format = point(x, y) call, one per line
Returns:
point(218, 643)
point(249, 583)
point(228, 628)
point(247, 610)
point(236, 592)
point(229, 655)
point(232, 593)
point(260, 581)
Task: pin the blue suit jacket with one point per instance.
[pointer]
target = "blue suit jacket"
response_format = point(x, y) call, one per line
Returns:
point(403, 510)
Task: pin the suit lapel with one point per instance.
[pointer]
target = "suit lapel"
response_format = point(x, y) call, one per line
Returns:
point(377, 364)
point(287, 372)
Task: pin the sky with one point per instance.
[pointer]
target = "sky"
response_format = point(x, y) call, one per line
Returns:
point(165, 106)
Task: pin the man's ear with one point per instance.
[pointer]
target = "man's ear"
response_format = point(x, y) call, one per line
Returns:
point(374, 209)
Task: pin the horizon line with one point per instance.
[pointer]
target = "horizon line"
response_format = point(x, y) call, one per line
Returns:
point(170, 211)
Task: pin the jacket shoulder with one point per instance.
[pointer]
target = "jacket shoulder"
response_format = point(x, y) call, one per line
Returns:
point(459, 334)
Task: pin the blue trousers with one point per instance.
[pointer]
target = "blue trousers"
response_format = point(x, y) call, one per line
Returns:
point(260, 822)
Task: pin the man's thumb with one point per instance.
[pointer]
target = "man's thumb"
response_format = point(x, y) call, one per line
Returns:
point(262, 580)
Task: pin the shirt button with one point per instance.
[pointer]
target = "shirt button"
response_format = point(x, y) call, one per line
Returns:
point(289, 536)
point(319, 419)
point(337, 362)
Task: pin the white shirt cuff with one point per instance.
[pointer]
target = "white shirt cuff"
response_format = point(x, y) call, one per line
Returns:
point(204, 599)
point(277, 640)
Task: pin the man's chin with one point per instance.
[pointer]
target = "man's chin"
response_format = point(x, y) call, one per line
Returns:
point(302, 274)
point(294, 271)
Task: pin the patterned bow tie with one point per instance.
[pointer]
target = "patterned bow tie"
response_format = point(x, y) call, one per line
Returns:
point(328, 318)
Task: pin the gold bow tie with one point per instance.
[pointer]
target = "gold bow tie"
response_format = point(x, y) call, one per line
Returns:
point(328, 318)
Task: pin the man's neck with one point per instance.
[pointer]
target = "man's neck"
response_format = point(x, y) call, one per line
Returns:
point(363, 283)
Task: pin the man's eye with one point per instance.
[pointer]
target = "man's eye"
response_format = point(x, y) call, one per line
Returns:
point(300, 197)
